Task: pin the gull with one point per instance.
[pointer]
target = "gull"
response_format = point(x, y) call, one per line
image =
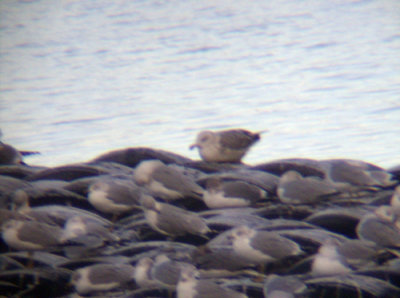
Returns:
point(223, 194)
point(293, 188)
point(328, 261)
point(167, 271)
point(225, 146)
point(101, 277)
point(142, 273)
point(350, 174)
point(395, 202)
point(190, 286)
point(380, 226)
point(51, 214)
point(11, 156)
point(30, 235)
point(170, 220)
point(114, 196)
point(165, 182)
point(260, 247)
point(162, 272)
point(84, 229)
point(276, 286)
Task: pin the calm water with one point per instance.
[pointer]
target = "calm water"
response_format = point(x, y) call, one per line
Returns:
point(78, 78)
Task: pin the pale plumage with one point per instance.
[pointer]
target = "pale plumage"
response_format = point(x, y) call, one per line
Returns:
point(165, 182)
point(260, 247)
point(170, 220)
point(381, 227)
point(80, 228)
point(31, 235)
point(295, 189)
point(223, 194)
point(114, 196)
point(162, 272)
point(395, 201)
point(328, 261)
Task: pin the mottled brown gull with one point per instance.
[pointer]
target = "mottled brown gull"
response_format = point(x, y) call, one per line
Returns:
point(225, 146)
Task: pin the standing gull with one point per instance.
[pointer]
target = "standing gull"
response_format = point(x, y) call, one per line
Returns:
point(170, 220)
point(225, 146)
point(165, 182)
point(11, 156)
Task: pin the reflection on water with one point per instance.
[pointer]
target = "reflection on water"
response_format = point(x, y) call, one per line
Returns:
point(79, 78)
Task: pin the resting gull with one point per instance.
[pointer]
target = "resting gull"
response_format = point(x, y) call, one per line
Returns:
point(260, 247)
point(223, 194)
point(190, 286)
point(293, 188)
point(380, 226)
point(31, 235)
point(102, 277)
point(328, 261)
point(165, 182)
point(114, 196)
point(170, 220)
point(395, 202)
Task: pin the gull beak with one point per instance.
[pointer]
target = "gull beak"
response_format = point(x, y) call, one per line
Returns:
point(193, 146)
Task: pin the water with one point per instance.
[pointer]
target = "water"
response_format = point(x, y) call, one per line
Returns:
point(79, 78)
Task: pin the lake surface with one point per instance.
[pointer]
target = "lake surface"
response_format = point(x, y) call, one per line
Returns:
point(79, 78)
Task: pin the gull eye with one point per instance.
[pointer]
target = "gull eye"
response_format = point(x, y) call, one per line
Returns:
point(203, 139)
point(241, 233)
point(76, 277)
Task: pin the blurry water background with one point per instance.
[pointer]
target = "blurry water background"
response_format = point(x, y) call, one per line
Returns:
point(79, 78)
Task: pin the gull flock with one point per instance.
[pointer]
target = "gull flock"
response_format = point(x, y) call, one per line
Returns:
point(143, 222)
